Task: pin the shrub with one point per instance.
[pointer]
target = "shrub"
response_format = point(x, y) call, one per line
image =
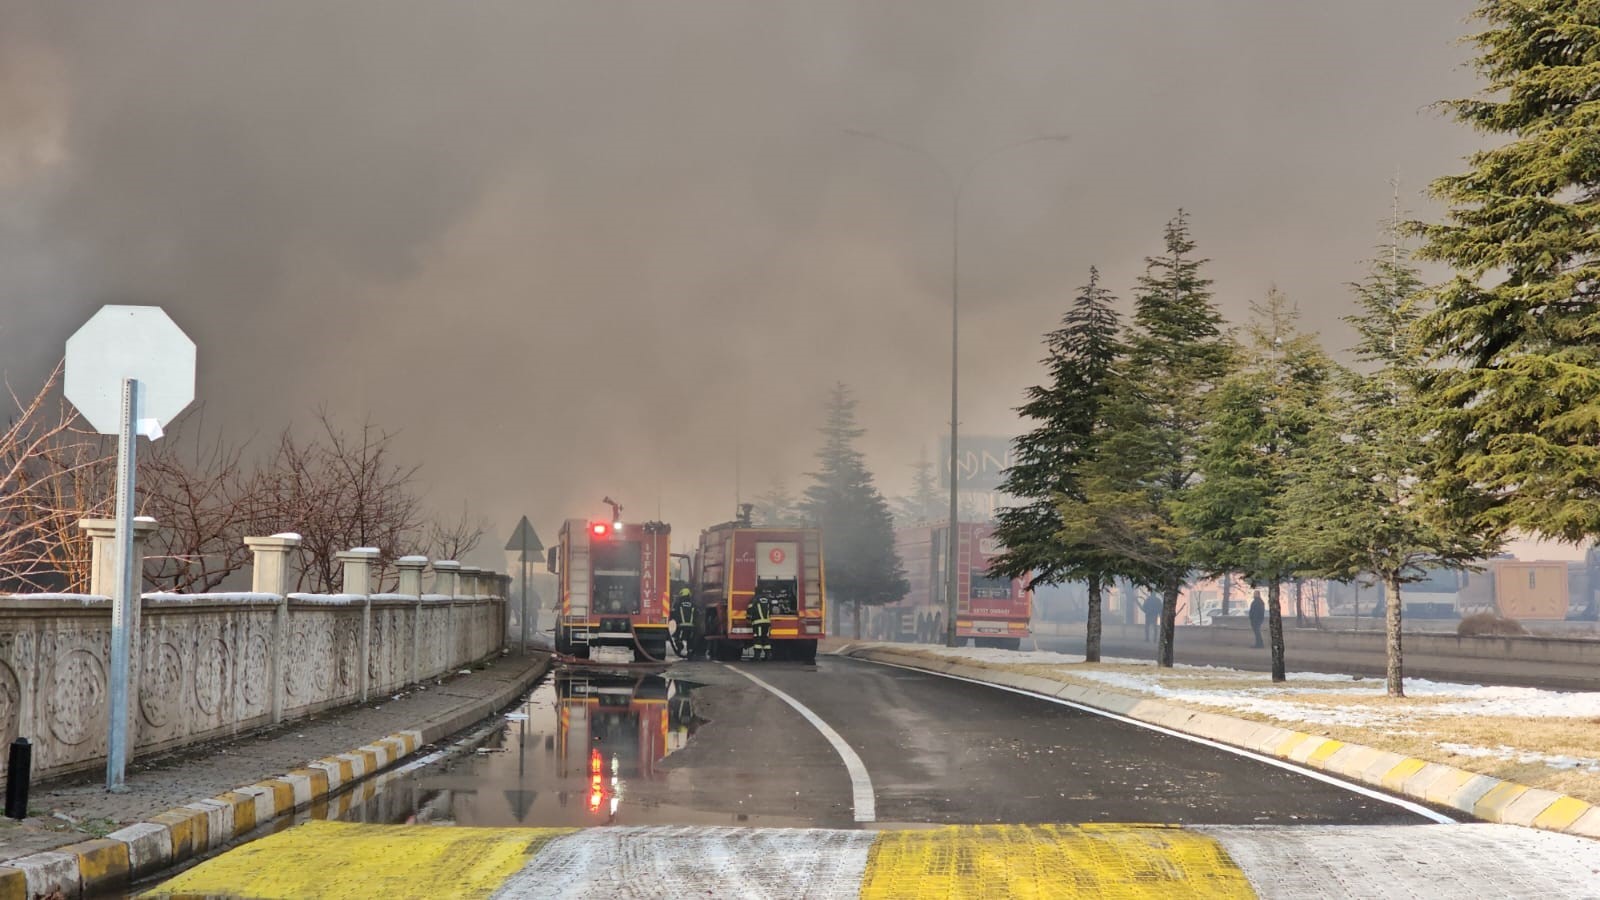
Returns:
point(1489, 625)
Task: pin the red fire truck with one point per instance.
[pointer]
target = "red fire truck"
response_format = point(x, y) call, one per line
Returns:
point(992, 611)
point(735, 561)
point(614, 586)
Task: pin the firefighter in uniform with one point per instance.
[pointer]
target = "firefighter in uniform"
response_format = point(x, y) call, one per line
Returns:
point(760, 612)
point(683, 612)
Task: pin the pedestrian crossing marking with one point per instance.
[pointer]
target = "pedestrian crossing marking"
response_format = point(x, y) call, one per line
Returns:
point(1035, 862)
point(339, 861)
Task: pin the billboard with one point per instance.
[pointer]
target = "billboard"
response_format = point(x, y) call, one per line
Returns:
point(981, 464)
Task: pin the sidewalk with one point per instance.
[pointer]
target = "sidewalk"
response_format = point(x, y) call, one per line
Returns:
point(161, 784)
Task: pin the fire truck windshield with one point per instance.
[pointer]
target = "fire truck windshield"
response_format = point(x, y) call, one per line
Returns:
point(985, 587)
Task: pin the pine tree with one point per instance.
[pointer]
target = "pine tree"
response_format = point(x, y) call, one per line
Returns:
point(776, 507)
point(857, 531)
point(1259, 417)
point(1520, 321)
point(1358, 500)
point(1078, 358)
point(1177, 353)
point(924, 503)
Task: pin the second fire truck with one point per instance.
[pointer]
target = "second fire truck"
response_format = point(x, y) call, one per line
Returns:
point(735, 562)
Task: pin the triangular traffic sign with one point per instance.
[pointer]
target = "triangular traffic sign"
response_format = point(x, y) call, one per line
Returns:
point(525, 539)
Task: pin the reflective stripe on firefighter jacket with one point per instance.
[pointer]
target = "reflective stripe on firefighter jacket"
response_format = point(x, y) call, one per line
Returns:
point(760, 611)
point(685, 612)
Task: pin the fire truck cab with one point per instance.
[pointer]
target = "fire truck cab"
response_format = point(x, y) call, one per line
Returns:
point(613, 584)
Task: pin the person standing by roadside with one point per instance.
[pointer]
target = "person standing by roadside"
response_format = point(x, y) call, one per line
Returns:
point(1152, 615)
point(1258, 613)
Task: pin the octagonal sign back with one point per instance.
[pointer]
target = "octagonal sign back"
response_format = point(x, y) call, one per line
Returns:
point(129, 342)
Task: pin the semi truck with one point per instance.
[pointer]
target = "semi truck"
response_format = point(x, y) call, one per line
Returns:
point(614, 586)
point(991, 611)
point(736, 561)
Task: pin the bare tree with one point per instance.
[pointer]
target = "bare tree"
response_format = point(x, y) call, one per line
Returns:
point(53, 472)
point(339, 490)
point(453, 539)
point(204, 501)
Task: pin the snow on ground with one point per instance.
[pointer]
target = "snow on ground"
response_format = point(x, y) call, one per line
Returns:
point(1512, 753)
point(1278, 700)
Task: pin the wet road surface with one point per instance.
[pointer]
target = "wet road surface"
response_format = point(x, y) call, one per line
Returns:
point(706, 746)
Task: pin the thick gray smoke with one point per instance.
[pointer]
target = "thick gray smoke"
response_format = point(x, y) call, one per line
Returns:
point(577, 249)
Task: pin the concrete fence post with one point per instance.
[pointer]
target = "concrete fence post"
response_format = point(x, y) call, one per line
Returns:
point(411, 585)
point(103, 560)
point(470, 589)
point(102, 583)
point(269, 574)
point(358, 580)
point(488, 583)
point(445, 574)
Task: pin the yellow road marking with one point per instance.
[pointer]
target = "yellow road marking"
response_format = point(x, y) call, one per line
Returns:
point(1047, 861)
point(338, 860)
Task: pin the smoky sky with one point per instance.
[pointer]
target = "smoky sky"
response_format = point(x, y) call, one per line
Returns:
point(571, 249)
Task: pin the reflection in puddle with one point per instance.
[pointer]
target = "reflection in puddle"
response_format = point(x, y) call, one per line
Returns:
point(583, 749)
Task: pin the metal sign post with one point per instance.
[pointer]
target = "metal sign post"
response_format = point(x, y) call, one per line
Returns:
point(123, 597)
point(130, 371)
point(526, 541)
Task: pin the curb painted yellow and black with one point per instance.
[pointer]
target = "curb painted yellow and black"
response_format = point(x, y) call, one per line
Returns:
point(185, 832)
point(1480, 796)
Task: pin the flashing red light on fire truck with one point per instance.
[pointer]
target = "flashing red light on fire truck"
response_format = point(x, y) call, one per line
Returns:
point(598, 529)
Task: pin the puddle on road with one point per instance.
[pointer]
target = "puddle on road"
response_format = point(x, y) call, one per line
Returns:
point(580, 750)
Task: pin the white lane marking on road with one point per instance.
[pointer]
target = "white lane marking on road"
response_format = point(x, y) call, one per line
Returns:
point(1364, 791)
point(866, 806)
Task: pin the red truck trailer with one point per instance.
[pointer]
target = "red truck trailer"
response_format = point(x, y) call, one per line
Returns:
point(991, 611)
point(735, 560)
point(614, 586)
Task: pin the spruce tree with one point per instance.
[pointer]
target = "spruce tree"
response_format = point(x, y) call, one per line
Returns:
point(1519, 324)
point(1359, 499)
point(1177, 353)
point(1079, 357)
point(1259, 417)
point(924, 503)
point(777, 507)
point(857, 531)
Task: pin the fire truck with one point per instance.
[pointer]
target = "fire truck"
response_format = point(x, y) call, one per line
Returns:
point(735, 562)
point(991, 611)
point(614, 586)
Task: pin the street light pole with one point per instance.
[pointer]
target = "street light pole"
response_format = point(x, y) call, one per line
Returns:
point(958, 187)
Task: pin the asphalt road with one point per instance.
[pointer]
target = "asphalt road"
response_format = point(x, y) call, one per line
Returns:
point(725, 750)
point(948, 751)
